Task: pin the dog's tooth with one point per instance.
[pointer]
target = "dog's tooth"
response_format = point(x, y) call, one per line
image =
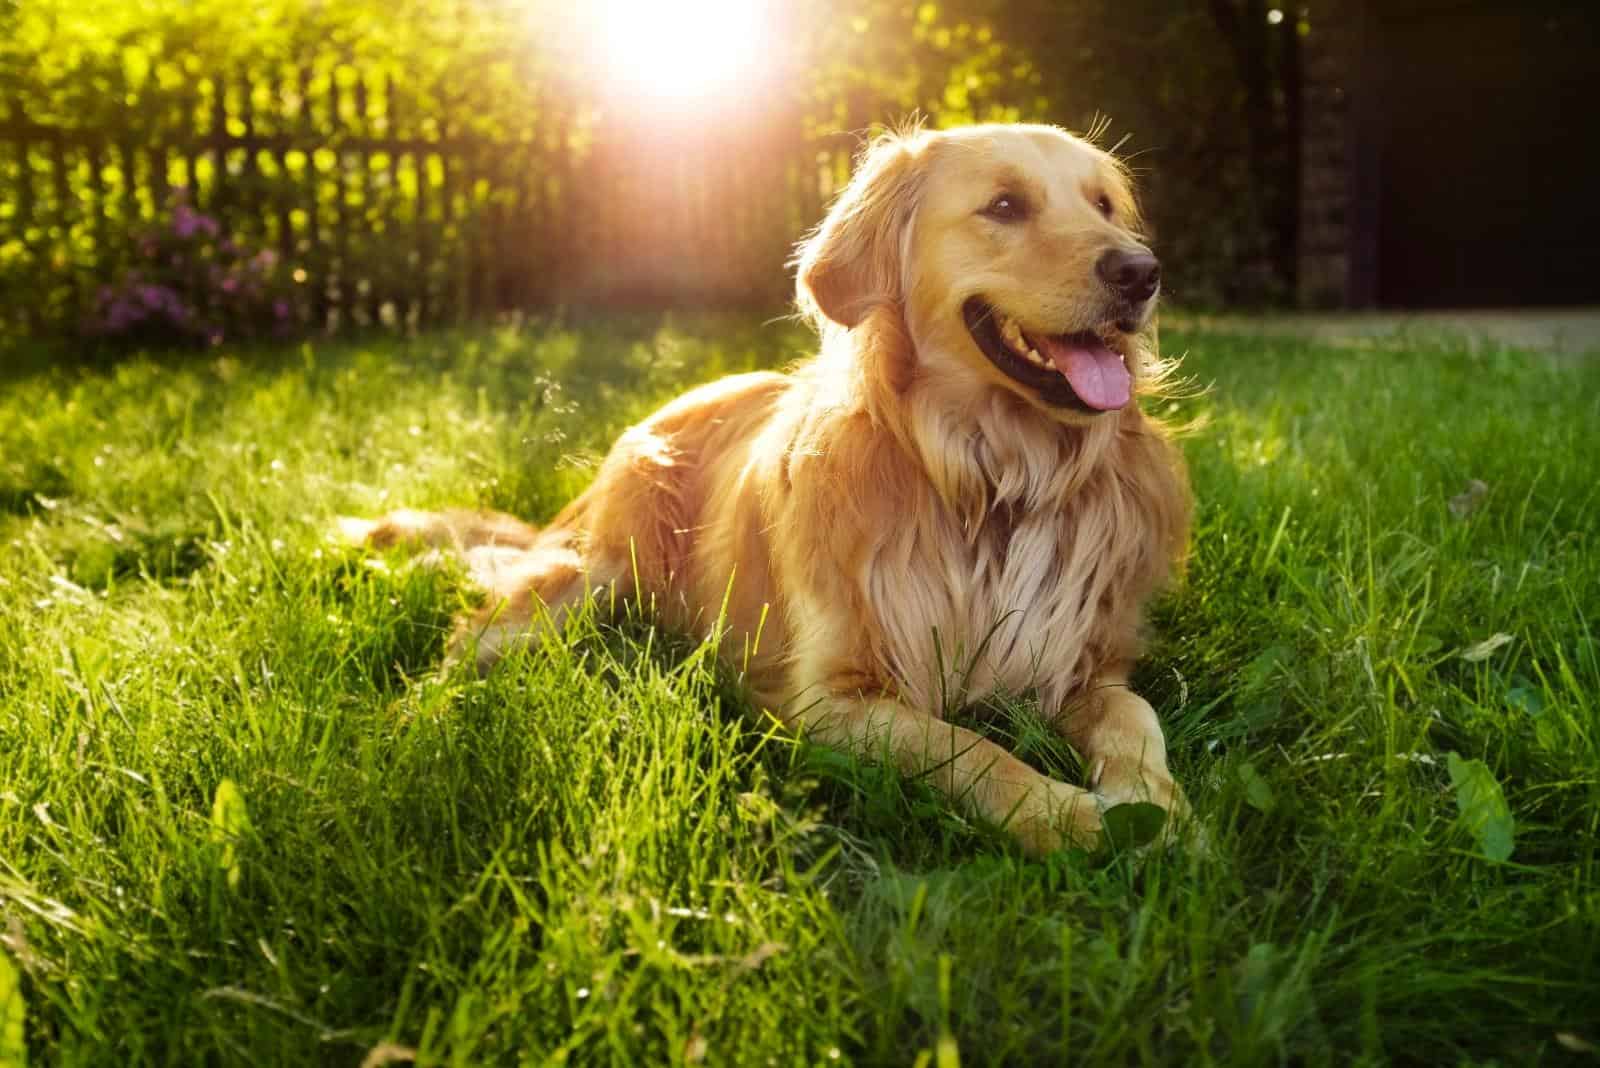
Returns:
point(1011, 334)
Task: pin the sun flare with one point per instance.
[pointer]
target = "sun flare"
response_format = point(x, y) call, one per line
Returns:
point(678, 51)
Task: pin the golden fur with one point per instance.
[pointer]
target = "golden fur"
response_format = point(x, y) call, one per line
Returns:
point(898, 527)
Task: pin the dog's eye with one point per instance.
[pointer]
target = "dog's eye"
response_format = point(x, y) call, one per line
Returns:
point(1007, 207)
point(1103, 202)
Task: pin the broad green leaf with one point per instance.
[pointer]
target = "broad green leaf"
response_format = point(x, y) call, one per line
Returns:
point(1256, 791)
point(1525, 698)
point(1484, 812)
point(1426, 645)
point(13, 1014)
point(1261, 670)
point(230, 820)
point(1256, 977)
point(1133, 825)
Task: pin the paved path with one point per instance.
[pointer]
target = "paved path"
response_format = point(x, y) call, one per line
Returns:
point(1560, 331)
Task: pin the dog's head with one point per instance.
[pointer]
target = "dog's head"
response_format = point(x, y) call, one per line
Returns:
point(1012, 255)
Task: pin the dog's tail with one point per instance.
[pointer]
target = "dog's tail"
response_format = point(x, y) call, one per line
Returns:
point(458, 531)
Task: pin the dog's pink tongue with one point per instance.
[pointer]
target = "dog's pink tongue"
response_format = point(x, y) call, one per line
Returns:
point(1098, 375)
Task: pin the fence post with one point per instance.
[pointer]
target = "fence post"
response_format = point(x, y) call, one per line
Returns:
point(364, 303)
point(392, 228)
point(341, 180)
point(25, 221)
point(318, 269)
point(63, 213)
point(283, 193)
point(221, 198)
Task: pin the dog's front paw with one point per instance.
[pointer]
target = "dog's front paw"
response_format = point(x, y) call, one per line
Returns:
point(1057, 816)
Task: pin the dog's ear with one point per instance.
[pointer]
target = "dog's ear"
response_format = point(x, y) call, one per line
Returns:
point(851, 264)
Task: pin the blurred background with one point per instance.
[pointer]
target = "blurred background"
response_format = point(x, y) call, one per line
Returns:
point(200, 170)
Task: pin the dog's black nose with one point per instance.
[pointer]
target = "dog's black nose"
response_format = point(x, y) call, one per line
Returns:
point(1134, 275)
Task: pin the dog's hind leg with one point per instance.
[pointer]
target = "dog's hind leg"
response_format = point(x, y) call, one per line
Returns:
point(458, 530)
point(529, 576)
point(531, 590)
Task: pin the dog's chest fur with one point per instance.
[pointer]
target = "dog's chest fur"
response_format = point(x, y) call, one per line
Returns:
point(1027, 572)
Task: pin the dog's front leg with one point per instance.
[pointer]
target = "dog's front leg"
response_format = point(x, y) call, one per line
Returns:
point(1043, 813)
point(1120, 738)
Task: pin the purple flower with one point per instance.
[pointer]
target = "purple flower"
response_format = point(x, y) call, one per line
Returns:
point(194, 279)
point(123, 314)
point(186, 222)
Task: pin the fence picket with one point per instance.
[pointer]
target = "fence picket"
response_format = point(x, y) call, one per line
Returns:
point(25, 223)
point(63, 218)
point(393, 295)
point(217, 131)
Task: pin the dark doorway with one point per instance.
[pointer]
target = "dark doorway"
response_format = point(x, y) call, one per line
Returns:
point(1488, 153)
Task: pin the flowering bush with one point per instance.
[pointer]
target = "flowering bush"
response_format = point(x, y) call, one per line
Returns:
point(192, 282)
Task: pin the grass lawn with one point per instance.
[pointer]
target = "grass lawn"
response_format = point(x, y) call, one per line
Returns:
point(242, 820)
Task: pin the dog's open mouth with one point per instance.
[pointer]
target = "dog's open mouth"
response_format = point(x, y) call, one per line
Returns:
point(1079, 370)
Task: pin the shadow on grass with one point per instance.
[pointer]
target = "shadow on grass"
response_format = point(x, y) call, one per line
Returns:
point(27, 490)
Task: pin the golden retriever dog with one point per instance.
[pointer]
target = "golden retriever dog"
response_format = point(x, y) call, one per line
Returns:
point(959, 495)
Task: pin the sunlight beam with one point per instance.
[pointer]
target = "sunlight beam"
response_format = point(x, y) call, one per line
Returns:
point(678, 52)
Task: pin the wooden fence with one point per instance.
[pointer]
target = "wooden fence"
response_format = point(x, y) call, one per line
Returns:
point(376, 213)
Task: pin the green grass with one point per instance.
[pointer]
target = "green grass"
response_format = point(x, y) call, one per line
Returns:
point(598, 855)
